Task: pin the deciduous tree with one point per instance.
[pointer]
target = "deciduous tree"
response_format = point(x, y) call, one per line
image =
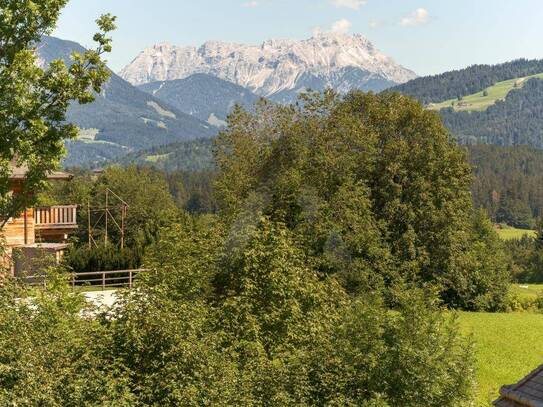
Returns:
point(34, 99)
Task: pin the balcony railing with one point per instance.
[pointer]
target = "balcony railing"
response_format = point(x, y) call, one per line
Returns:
point(56, 217)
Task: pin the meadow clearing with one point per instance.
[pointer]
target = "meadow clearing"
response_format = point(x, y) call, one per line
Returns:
point(513, 233)
point(480, 101)
point(507, 348)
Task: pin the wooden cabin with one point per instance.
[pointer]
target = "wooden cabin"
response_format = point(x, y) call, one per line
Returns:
point(37, 232)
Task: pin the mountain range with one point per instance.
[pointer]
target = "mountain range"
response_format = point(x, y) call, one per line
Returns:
point(122, 119)
point(171, 95)
point(276, 69)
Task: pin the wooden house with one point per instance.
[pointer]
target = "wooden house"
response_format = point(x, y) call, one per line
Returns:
point(37, 232)
point(526, 393)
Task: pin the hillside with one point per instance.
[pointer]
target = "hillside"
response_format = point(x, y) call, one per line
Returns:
point(483, 100)
point(276, 69)
point(517, 120)
point(464, 82)
point(191, 156)
point(122, 118)
point(499, 104)
point(203, 96)
point(508, 183)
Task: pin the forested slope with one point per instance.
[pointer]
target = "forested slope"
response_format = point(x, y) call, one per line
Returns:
point(508, 183)
point(463, 82)
point(516, 119)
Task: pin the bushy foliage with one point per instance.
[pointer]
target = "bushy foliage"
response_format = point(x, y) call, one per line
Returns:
point(193, 191)
point(51, 354)
point(482, 278)
point(150, 207)
point(526, 257)
point(371, 184)
point(249, 322)
point(82, 258)
point(224, 321)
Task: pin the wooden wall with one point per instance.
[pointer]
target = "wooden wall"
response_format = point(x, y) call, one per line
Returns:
point(14, 231)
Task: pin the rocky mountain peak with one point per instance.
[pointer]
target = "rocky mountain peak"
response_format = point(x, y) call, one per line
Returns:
point(276, 65)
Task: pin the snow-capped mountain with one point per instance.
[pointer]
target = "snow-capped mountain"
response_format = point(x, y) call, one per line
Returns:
point(277, 68)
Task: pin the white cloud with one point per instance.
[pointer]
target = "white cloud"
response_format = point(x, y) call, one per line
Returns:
point(418, 17)
point(251, 4)
point(353, 4)
point(341, 26)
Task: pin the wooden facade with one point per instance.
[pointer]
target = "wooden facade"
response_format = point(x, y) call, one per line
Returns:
point(37, 231)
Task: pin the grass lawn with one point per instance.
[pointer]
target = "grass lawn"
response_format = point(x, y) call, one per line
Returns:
point(508, 347)
point(527, 291)
point(512, 233)
point(479, 101)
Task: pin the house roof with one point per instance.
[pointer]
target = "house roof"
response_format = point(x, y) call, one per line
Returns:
point(526, 393)
point(18, 172)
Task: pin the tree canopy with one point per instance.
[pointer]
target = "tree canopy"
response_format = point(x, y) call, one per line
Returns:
point(373, 185)
point(34, 99)
point(221, 321)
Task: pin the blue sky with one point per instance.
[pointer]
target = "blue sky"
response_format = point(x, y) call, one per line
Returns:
point(428, 36)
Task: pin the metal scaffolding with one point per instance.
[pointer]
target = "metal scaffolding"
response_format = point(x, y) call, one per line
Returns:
point(112, 213)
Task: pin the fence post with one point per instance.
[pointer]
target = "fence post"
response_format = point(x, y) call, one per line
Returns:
point(103, 281)
point(130, 279)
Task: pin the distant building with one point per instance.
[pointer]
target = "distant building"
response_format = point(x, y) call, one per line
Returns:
point(526, 393)
point(37, 232)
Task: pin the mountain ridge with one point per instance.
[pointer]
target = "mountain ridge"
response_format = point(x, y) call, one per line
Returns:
point(203, 96)
point(275, 66)
point(122, 118)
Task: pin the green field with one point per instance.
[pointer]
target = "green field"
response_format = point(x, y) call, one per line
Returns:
point(512, 233)
point(508, 347)
point(157, 158)
point(479, 101)
point(527, 291)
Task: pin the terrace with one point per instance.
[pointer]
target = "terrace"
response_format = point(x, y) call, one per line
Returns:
point(54, 222)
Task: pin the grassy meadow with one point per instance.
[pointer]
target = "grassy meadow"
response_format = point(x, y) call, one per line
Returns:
point(480, 101)
point(508, 347)
point(512, 233)
point(527, 291)
point(156, 158)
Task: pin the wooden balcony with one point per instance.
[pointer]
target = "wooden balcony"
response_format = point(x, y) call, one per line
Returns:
point(56, 217)
point(54, 223)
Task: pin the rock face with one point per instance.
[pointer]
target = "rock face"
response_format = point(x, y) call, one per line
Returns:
point(277, 69)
